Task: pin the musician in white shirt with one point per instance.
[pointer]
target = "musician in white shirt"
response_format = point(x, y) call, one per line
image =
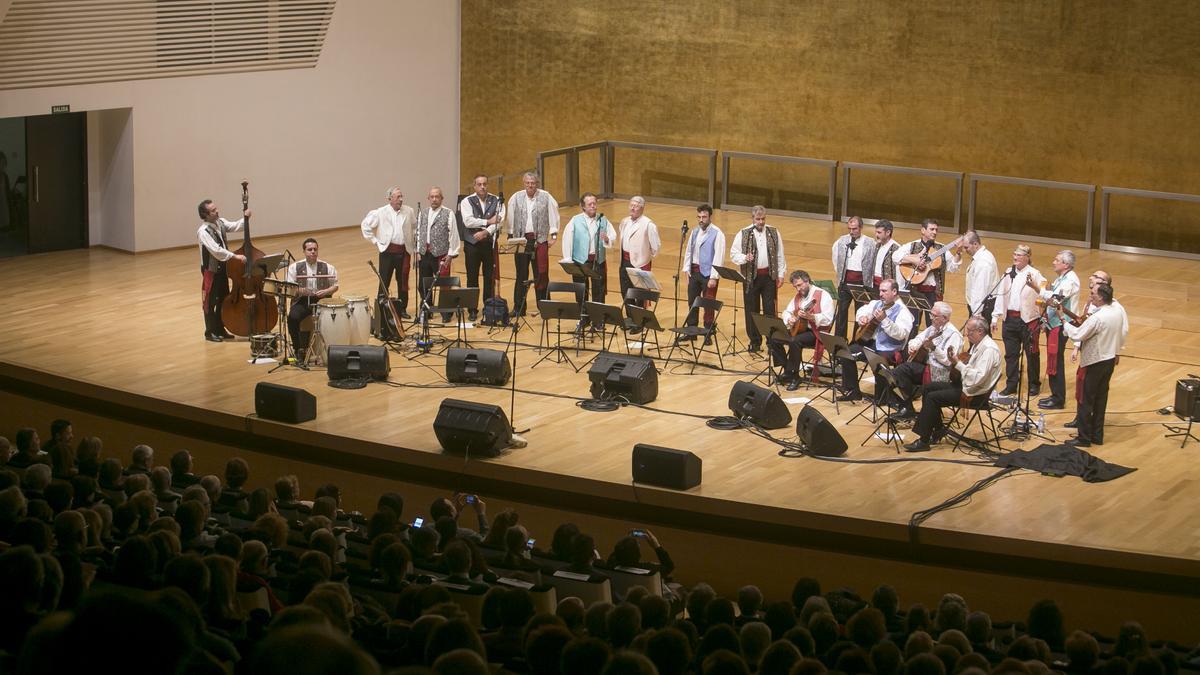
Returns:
point(705, 252)
point(639, 242)
point(980, 370)
point(811, 304)
point(1101, 337)
point(1064, 288)
point(758, 250)
point(390, 229)
point(944, 342)
point(982, 274)
point(214, 253)
point(921, 252)
point(893, 324)
point(317, 279)
point(533, 216)
point(1016, 304)
point(851, 253)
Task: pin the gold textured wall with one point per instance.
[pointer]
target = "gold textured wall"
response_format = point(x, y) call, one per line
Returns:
point(1106, 93)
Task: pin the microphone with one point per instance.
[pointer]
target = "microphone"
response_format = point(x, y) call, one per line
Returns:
point(1012, 272)
point(685, 227)
point(290, 256)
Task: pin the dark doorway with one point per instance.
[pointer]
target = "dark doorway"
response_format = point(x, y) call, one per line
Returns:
point(57, 175)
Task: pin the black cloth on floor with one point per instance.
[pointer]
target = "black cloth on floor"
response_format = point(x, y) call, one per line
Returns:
point(1064, 459)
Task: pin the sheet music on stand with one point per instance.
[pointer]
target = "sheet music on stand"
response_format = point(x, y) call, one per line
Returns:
point(730, 273)
point(915, 303)
point(861, 294)
point(269, 264)
point(642, 279)
point(511, 246)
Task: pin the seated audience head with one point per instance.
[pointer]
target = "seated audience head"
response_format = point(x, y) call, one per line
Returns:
point(392, 501)
point(160, 480)
point(544, 647)
point(886, 658)
point(719, 610)
point(583, 551)
point(330, 490)
point(924, 664)
point(380, 523)
point(1083, 651)
point(59, 496)
point(628, 662)
point(274, 527)
point(334, 601)
point(285, 489)
point(824, 629)
point(460, 662)
point(951, 613)
point(918, 642)
point(956, 639)
point(749, 600)
point(560, 545)
point(191, 516)
point(310, 650)
point(697, 603)
point(395, 563)
point(28, 443)
point(656, 611)
point(237, 472)
point(979, 628)
point(447, 529)
point(724, 662)
point(626, 552)
point(781, 617)
point(456, 633)
point(804, 588)
point(867, 628)
point(36, 478)
point(181, 463)
point(516, 540)
point(1045, 622)
point(189, 573)
point(135, 483)
point(595, 619)
point(587, 656)
point(755, 637)
point(1131, 641)
point(259, 503)
point(70, 531)
point(813, 605)
point(32, 533)
point(136, 563)
point(166, 545)
point(917, 619)
point(255, 558)
point(230, 545)
point(457, 558)
point(142, 457)
point(424, 542)
point(500, 524)
point(571, 610)
point(624, 624)
point(779, 658)
point(323, 540)
point(212, 487)
point(325, 506)
point(111, 477)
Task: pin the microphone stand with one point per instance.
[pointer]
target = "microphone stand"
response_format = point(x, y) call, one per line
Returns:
point(841, 320)
point(678, 271)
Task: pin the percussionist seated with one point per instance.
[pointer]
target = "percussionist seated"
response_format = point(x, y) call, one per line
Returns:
point(317, 279)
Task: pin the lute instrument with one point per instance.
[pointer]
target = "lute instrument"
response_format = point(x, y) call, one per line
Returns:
point(801, 324)
point(916, 267)
point(867, 331)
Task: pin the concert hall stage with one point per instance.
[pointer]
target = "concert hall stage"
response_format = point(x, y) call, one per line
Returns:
point(119, 336)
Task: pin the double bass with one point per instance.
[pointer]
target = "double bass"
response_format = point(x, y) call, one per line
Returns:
point(247, 310)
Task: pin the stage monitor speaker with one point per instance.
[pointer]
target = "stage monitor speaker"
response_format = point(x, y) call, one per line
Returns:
point(1186, 392)
point(665, 467)
point(284, 404)
point(477, 366)
point(474, 429)
point(760, 405)
point(346, 361)
point(632, 377)
point(818, 435)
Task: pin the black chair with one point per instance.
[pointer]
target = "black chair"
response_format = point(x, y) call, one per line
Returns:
point(686, 336)
point(644, 322)
point(560, 287)
point(980, 408)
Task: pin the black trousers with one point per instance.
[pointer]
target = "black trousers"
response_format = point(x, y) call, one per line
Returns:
point(526, 262)
point(427, 268)
point(1017, 337)
point(1095, 401)
point(396, 264)
point(908, 380)
point(938, 395)
point(850, 368)
point(480, 256)
point(843, 310)
point(794, 348)
point(594, 290)
point(213, 324)
point(301, 310)
point(698, 287)
point(760, 299)
point(931, 298)
point(1058, 381)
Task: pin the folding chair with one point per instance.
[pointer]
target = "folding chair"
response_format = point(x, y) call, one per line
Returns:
point(689, 334)
point(980, 406)
point(561, 287)
point(642, 318)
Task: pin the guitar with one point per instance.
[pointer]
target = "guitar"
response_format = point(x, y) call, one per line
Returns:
point(867, 331)
point(922, 353)
point(1057, 303)
point(801, 324)
point(915, 267)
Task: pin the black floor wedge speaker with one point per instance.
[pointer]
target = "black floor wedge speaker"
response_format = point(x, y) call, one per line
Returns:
point(1185, 399)
point(284, 404)
point(665, 467)
point(616, 375)
point(346, 361)
point(477, 366)
point(473, 429)
point(818, 435)
point(759, 405)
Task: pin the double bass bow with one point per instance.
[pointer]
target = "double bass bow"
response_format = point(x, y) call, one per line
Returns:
point(247, 310)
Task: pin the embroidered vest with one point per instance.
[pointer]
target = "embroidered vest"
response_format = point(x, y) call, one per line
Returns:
point(888, 269)
point(208, 261)
point(438, 237)
point(939, 274)
point(748, 246)
point(541, 216)
point(301, 269)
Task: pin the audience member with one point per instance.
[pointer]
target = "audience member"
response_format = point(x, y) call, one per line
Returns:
point(141, 461)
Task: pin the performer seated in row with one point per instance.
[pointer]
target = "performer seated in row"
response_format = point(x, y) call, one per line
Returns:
point(1064, 288)
point(481, 214)
point(585, 239)
point(979, 370)
point(532, 216)
point(811, 311)
point(930, 358)
point(758, 249)
point(437, 243)
point(1101, 336)
point(390, 229)
point(1016, 304)
point(705, 252)
point(317, 279)
point(214, 253)
point(883, 326)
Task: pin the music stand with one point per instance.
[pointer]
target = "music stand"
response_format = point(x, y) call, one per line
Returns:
point(587, 271)
point(601, 315)
point(511, 247)
point(836, 348)
point(456, 299)
point(771, 328)
point(736, 277)
point(915, 303)
point(861, 294)
point(557, 311)
point(268, 265)
point(641, 319)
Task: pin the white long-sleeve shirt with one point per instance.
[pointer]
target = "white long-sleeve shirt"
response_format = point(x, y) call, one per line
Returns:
point(981, 372)
point(519, 230)
point(1102, 334)
point(473, 223)
point(385, 226)
point(981, 277)
point(639, 238)
point(691, 255)
point(823, 309)
point(1015, 295)
point(761, 261)
point(949, 340)
point(455, 242)
point(208, 241)
point(898, 329)
point(310, 283)
point(593, 224)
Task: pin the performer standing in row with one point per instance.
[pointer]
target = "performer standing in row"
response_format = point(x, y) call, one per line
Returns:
point(1065, 286)
point(1101, 336)
point(758, 249)
point(532, 216)
point(481, 214)
point(585, 238)
point(980, 372)
point(892, 322)
point(982, 275)
point(1094, 279)
point(919, 250)
point(437, 243)
point(930, 358)
point(639, 242)
point(317, 279)
point(705, 252)
point(214, 253)
point(881, 263)
point(815, 307)
point(849, 253)
point(1016, 302)
point(391, 229)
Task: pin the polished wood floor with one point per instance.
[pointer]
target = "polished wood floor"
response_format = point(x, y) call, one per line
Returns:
point(129, 326)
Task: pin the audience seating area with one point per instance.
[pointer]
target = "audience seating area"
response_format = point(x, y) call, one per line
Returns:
point(148, 567)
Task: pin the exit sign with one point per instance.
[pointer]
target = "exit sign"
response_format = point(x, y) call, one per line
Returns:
point(56, 109)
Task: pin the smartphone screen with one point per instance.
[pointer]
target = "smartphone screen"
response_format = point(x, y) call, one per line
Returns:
point(530, 543)
point(470, 499)
point(418, 522)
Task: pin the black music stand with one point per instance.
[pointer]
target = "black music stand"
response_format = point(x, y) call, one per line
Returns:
point(456, 300)
point(771, 328)
point(861, 294)
point(557, 311)
point(836, 348)
point(736, 277)
point(600, 315)
point(915, 303)
point(642, 319)
point(511, 247)
point(589, 272)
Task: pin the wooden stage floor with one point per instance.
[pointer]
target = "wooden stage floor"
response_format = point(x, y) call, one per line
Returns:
point(122, 331)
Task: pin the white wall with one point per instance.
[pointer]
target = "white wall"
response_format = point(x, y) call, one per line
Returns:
point(319, 146)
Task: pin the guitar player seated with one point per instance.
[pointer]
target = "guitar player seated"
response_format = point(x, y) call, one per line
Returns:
point(808, 313)
point(883, 326)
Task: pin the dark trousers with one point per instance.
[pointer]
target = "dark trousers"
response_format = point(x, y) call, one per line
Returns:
point(213, 324)
point(850, 368)
point(909, 376)
point(843, 311)
point(1058, 381)
point(938, 395)
point(794, 348)
point(1095, 401)
point(760, 299)
point(526, 262)
point(1017, 337)
point(594, 290)
point(396, 264)
point(480, 255)
point(930, 297)
point(301, 310)
point(428, 267)
point(698, 287)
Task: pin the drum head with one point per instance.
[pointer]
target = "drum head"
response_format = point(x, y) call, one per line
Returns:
point(332, 302)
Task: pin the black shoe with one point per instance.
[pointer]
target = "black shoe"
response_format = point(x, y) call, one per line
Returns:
point(635, 330)
point(1008, 391)
point(1051, 404)
point(1035, 390)
point(793, 385)
point(1079, 443)
point(472, 315)
point(1073, 424)
point(937, 436)
point(213, 338)
point(707, 340)
point(905, 414)
point(227, 335)
point(405, 315)
point(919, 445)
point(754, 349)
point(848, 397)
point(1048, 399)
